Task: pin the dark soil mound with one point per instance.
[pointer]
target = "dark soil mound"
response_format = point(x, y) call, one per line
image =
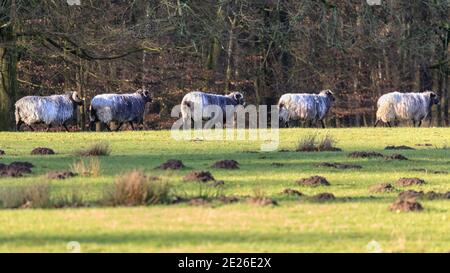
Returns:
point(264, 201)
point(60, 175)
point(202, 176)
point(292, 192)
point(325, 196)
point(2, 152)
point(405, 205)
point(277, 164)
point(21, 164)
point(226, 164)
point(383, 187)
point(396, 157)
point(338, 165)
point(410, 194)
point(15, 169)
point(405, 182)
point(171, 164)
point(431, 195)
point(229, 199)
point(313, 181)
point(42, 151)
point(10, 172)
point(401, 147)
point(364, 154)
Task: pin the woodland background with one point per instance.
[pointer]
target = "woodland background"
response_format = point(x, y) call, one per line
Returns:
point(263, 48)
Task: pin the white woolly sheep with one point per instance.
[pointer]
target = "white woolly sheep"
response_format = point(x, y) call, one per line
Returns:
point(405, 106)
point(196, 103)
point(119, 108)
point(51, 110)
point(305, 107)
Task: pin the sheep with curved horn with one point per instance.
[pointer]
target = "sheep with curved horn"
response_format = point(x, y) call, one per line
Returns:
point(120, 108)
point(51, 110)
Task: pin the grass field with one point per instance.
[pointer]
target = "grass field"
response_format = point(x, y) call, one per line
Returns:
point(296, 225)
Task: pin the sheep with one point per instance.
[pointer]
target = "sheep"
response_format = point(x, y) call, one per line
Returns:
point(198, 101)
point(120, 108)
point(306, 107)
point(405, 106)
point(51, 110)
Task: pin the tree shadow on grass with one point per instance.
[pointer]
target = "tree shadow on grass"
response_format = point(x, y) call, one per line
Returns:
point(191, 238)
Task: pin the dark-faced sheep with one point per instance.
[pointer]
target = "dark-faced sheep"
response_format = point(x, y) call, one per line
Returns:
point(194, 105)
point(120, 108)
point(51, 110)
point(405, 106)
point(310, 108)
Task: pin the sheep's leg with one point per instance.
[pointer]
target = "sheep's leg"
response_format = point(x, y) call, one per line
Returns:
point(430, 119)
point(185, 121)
point(92, 126)
point(107, 127)
point(18, 124)
point(65, 127)
point(119, 126)
point(323, 124)
point(389, 124)
point(414, 123)
point(376, 123)
point(29, 126)
point(420, 123)
point(48, 127)
point(131, 124)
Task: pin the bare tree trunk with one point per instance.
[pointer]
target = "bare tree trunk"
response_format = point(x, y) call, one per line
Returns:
point(445, 98)
point(8, 67)
point(80, 82)
point(439, 93)
point(230, 54)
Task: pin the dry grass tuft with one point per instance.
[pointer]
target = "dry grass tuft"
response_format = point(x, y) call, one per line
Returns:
point(98, 149)
point(135, 188)
point(29, 196)
point(314, 143)
point(90, 168)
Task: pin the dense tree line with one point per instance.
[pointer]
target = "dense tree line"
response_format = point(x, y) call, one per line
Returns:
point(263, 47)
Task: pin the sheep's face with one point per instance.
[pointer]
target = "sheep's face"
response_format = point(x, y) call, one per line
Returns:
point(329, 94)
point(145, 95)
point(283, 114)
point(434, 99)
point(238, 97)
point(76, 99)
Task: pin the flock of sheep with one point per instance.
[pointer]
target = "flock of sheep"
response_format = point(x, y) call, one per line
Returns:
point(58, 110)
